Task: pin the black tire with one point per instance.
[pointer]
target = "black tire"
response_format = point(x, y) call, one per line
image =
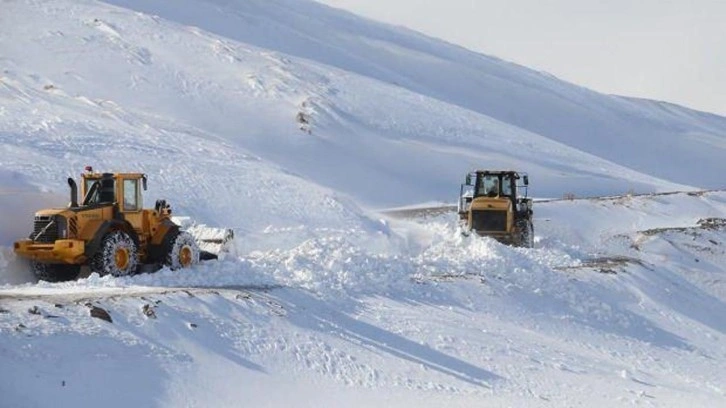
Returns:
point(117, 255)
point(55, 272)
point(463, 227)
point(182, 251)
point(525, 231)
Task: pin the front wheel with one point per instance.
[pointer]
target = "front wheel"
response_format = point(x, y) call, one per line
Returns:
point(182, 251)
point(463, 228)
point(117, 255)
point(55, 272)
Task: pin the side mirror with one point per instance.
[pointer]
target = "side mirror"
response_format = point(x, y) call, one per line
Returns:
point(468, 179)
point(526, 180)
point(143, 181)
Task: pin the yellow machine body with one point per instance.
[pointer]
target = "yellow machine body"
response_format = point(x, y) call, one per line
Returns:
point(490, 205)
point(111, 201)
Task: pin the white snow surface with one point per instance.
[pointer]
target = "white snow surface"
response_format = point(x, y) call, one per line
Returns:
point(287, 121)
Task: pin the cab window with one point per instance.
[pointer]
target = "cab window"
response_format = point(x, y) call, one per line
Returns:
point(488, 185)
point(131, 195)
point(87, 184)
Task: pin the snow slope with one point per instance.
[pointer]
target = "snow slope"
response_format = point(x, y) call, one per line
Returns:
point(631, 315)
point(285, 120)
point(142, 75)
point(630, 132)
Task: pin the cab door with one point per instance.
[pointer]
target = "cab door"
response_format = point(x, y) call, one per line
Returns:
point(131, 205)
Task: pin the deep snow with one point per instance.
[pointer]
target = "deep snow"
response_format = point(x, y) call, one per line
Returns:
point(600, 313)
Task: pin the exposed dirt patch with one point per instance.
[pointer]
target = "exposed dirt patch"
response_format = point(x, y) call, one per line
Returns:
point(711, 224)
point(99, 313)
point(605, 264)
point(446, 277)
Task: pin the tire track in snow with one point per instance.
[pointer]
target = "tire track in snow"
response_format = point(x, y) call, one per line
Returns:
point(71, 295)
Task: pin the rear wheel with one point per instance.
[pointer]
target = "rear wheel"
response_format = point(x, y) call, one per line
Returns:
point(55, 272)
point(525, 230)
point(116, 256)
point(182, 251)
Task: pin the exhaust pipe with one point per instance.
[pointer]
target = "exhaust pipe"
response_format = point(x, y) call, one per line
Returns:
point(74, 192)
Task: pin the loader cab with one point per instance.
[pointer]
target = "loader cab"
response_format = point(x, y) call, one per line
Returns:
point(493, 188)
point(98, 189)
point(122, 189)
point(494, 184)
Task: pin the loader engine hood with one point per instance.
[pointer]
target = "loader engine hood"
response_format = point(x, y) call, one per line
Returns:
point(49, 212)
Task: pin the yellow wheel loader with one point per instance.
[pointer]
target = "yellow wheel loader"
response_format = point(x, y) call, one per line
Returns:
point(109, 231)
point(490, 205)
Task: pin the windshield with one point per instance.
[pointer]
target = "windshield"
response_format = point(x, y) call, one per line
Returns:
point(494, 185)
point(87, 184)
point(487, 185)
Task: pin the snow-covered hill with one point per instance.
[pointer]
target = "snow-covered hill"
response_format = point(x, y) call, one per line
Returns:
point(287, 121)
point(633, 133)
point(380, 101)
